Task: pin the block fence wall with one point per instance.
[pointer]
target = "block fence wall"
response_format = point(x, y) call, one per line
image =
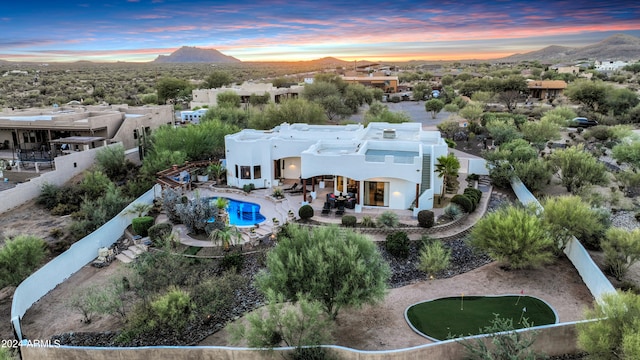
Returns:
point(554, 339)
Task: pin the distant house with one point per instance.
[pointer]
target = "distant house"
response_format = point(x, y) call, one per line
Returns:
point(388, 84)
point(75, 128)
point(610, 65)
point(193, 117)
point(209, 97)
point(546, 89)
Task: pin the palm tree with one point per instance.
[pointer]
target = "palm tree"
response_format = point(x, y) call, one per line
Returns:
point(226, 236)
point(139, 209)
point(217, 170)
point(221, 205)
point(447, 168)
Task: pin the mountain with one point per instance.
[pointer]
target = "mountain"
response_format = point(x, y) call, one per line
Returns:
point(617, 47)
point(189, 54)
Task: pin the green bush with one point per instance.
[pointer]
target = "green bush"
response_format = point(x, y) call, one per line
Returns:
point(434, 257)
point(388, 219)
point(465, 203)
point(305, 212)
point(453, 211)
point(19, 257)
point(367, 222)
point(141, 225)
point(349, 220)
point(158, 233)
point(248, 188)
point(397, 244)
point(426, 218)
point(474, 194)
point(216, 295)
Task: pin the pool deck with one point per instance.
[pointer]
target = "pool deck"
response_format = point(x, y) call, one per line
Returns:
point(279, 209)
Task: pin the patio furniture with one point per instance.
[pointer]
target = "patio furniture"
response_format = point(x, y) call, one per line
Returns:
point(326, 209)
point(340, 211)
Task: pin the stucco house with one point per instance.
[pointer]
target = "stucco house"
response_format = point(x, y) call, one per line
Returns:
point(75, 128)
point(209, 97)
point(546, 89)
point(383, 165)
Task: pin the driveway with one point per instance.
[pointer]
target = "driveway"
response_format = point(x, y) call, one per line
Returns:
point(415, 110)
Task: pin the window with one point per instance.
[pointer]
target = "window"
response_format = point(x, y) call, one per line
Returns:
point(257, 174)
point(245, 172)
point(376, 193)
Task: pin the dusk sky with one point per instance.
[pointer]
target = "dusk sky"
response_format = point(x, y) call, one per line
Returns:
point(273, 30)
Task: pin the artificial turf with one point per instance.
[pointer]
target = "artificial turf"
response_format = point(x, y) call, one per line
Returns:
point(458, 316)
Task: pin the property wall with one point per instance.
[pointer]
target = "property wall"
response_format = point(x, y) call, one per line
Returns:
point(552, 340)
point(66, 264)
point(478, 166)
point(591, 274)
point(66, 167)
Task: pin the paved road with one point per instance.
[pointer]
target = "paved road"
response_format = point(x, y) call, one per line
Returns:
point(415, 110)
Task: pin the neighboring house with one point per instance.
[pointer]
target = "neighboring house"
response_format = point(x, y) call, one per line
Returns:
point(192, 117)
point(388, 84)
point(209, 97)
point(568, 69)
point(74, 128)
point(546, 89)
point(610, 65)
point(384, 165)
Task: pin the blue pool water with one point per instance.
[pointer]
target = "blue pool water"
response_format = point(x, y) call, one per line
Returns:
point(242, 213)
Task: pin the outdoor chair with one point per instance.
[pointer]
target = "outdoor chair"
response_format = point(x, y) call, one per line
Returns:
point(292, 187)
point(340, 211)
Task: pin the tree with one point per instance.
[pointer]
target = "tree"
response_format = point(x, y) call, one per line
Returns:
point(472, 112)
point(378, 112)
point(503, 131)
point(619, 101)
point(628, 152)
point(217, 79)
point(434, 106)
point(290, 111)
point(615, 333)
point(19, 257)
point(510, 90)
point(568, 216)
point(228, 99)
point(171, 88)
point(577, 168)
point(591, 94)
point(447, 168)
point(515, 236)
point(337, 267)
point(540, 132)
point(112, 161)
point(421, 90)
point(535, 174)
point(621, 250)
point(300, 324)
point(228, 235)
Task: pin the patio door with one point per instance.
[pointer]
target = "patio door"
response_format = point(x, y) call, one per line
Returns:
point(376, 193)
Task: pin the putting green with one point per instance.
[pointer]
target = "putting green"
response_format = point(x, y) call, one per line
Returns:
point(457, 316)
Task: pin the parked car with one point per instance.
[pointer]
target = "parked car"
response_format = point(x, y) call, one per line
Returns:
point(582, 122)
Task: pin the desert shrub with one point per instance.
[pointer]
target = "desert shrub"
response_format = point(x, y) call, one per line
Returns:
point(277, 193)
point(87, 302)
point(232, 261)
point(94, 184)
point(453, 211)
point(505, 343)
point(397, 244)
point(48, 196)
point(305, 212)
point(349, 220)
point(367, 221)
point(464, 202)
point(215, 295)
point(599, 132)
point(426, 218)
point(63, 209)
point(158, 233)
point(196, 213)
point(621, 250)
point(387, 219)
point(434, 257)
point(171, 198)
point(112, 162)
point(19, 257)
point(473, 177)
point(141, 225)
point(248, 188)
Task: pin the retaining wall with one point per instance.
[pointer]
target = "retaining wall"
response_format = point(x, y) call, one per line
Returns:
point(66, 264)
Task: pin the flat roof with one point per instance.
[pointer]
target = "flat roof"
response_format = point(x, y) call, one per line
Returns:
point(28, 118)
point(77, 140)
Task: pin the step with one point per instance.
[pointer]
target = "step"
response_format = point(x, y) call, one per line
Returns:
point(124, 258)
point(129, 253)
point(135, 249)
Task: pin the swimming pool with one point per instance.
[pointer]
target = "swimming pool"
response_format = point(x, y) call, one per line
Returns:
point(241, 213)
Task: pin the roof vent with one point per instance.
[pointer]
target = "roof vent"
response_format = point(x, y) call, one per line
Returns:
point(389, 133)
